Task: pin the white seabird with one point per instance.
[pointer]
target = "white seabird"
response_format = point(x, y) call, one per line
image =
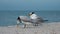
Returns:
point(23, 19)
point(34, 19)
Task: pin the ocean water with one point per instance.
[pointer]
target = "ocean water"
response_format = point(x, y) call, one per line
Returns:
point(8, 17)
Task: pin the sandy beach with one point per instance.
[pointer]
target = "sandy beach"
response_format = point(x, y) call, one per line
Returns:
point(45, 28)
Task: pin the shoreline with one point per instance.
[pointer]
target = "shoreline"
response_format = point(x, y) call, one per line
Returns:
point(45, 28)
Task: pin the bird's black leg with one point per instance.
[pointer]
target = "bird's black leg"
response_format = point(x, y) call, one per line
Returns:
point(24, 25)
point(35, 24)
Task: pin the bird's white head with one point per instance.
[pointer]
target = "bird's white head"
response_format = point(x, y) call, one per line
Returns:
point(33, 15)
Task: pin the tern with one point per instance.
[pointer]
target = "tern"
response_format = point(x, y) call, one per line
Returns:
point(34, 19)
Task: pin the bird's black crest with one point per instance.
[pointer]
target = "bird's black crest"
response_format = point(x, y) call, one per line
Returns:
point(33, 12)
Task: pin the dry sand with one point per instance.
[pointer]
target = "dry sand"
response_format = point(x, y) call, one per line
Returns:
point(45, 28)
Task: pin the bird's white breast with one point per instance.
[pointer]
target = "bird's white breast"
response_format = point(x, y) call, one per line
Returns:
point(33, 16)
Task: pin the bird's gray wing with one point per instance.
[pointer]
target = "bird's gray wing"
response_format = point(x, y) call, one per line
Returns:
point(40, 19)
point(25, 18)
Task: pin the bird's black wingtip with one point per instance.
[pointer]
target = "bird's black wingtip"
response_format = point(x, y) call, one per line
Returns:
point(45, 20)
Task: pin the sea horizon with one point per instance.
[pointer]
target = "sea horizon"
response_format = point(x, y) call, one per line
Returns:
point(8, 17)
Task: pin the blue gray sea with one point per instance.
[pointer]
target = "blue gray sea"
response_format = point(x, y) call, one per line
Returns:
point(8, 17)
